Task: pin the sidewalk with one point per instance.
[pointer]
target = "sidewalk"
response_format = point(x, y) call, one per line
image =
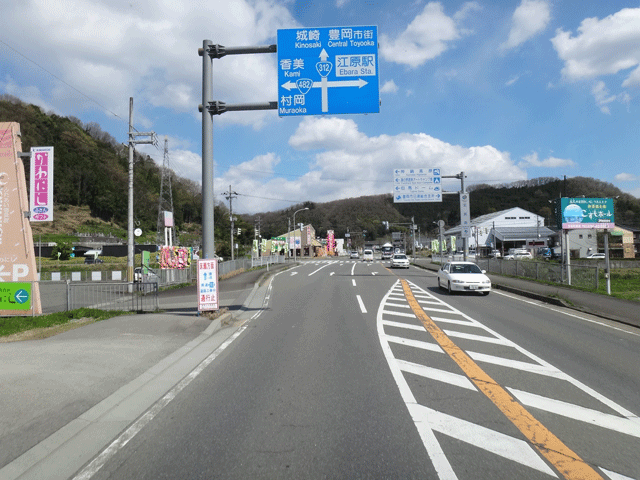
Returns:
point(605, 306)
point(65, 397)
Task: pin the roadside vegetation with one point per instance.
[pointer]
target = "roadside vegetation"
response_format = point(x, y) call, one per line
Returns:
point(43, 326)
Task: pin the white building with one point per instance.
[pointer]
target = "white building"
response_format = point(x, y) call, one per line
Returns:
point(511, 228)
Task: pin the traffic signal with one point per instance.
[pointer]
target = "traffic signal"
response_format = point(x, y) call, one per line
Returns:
point(239, 231)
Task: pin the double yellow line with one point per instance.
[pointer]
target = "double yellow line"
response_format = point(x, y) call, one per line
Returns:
point(566, 461)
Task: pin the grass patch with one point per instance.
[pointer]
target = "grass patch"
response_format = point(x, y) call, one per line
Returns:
point(10, 326)
point(625, 283)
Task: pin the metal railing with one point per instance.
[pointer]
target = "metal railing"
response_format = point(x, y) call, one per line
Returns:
point(133, 297)
point(581, 276)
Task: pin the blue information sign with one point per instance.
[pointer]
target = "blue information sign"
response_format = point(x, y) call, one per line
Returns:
point(329, 70)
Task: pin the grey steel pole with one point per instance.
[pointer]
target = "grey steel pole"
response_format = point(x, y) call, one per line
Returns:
point(208, 245)
point(130, 254)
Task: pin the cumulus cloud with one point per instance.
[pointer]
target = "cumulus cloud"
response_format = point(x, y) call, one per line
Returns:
point(148, 50)
point(389, 87)
point(529, 19)
point(603, 99)
point(532, 160)
point(626, 177)
point(602, 47)
point(427, 36)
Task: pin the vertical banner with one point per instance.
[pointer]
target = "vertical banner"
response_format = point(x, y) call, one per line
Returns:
point(208, 298)
point(330, 242)
point(41, 184)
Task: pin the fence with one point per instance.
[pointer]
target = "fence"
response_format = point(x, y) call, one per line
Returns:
point(582, 276)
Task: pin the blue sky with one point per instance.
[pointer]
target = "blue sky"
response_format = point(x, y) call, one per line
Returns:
point(502, 90)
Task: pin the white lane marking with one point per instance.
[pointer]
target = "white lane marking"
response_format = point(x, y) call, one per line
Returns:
point(435, 374)
point(434, 450)
point(374, 273)
point(576, 412)
point(433, 347)
point(408, 326)
point(294, 273)
point(482, 437)
point(476, 338)
point(400, 314)
point(324, 266)
point(362, 307)
point(569, 314)
point(353, 269)
point(125, 437)
point(614, 475)
point(518, 365)
point(353, 281)
point(332, 274)
point(398, 305)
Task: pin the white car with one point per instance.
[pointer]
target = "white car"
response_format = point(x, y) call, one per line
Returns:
point(399, 260)
point(149, 277)
point(596, 256)
point(463, 277)
point(367, 255)
point(354, 254)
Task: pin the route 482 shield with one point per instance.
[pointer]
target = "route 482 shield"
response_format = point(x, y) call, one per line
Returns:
point(329, 70)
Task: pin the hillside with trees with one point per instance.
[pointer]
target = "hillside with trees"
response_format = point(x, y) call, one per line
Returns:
point(91, 173)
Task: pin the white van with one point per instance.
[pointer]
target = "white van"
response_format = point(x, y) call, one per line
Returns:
point(367, 255)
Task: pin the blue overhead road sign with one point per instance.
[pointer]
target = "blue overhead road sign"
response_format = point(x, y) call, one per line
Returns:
point(329, 70)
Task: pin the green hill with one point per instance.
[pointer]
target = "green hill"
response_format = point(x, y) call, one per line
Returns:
point(91, 181)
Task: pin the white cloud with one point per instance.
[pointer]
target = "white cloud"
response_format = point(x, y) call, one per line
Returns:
point(389, 87)
point(626, 177)
point(512, 80)
point(602, 47)
point(603, 99)
point(550, 162)
point(426, 37)
point(147, 50)
point(529, 19)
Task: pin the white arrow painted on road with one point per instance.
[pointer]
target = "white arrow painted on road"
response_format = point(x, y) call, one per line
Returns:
point(332, 274)
point(374, 273)
point(294, 273)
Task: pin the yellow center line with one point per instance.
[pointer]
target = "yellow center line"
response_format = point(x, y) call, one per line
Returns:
point(565, 460)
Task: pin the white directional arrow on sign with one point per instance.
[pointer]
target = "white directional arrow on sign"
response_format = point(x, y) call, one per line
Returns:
point(334, 83)
point(3, 274)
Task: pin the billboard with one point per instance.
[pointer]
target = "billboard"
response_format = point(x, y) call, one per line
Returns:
point(17, 258)
point(581, 213)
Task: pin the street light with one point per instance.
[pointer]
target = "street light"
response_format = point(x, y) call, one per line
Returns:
point(294, 235)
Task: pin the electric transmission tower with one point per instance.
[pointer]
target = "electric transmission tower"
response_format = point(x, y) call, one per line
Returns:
point(165, 202)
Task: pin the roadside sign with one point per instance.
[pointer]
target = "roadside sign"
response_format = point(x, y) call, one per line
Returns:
point(412, 185)
point(465, 215)
point(15, 296)
point(208, 294)
point(581, 213)
point(329, 70)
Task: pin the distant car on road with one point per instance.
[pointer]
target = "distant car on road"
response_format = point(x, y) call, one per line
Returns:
point(463, 277)
point(92, 260)
point(595, 256)
point(354, 254)
point(399, 260)
point(367, 255)
point(149, 277)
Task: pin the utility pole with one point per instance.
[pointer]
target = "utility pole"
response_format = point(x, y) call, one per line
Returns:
point(152, 140)
point(165, 201)
point(230, 195)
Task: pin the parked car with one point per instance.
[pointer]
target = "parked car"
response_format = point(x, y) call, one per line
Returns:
point(399, 260)
point(354, 254)
point(149, 277)
point(518, 254)
point(463, 277)
point(92, 260)
point(367, 255)
point(595, 256)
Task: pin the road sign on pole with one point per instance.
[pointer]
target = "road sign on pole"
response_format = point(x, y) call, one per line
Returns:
point(417, 185)
point(15, 296)
point(329, 70)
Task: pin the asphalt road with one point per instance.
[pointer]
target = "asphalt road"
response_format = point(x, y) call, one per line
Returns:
point(356, 371)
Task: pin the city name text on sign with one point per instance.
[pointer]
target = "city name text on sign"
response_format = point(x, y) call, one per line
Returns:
point(325, 71)
point(412, 185)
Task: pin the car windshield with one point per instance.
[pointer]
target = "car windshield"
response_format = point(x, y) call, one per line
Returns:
point(465, 268)
point(399, 257)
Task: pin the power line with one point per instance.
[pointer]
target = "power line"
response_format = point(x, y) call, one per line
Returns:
point(61, 80)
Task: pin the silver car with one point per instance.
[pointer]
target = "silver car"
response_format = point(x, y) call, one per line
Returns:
point(463, 277)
